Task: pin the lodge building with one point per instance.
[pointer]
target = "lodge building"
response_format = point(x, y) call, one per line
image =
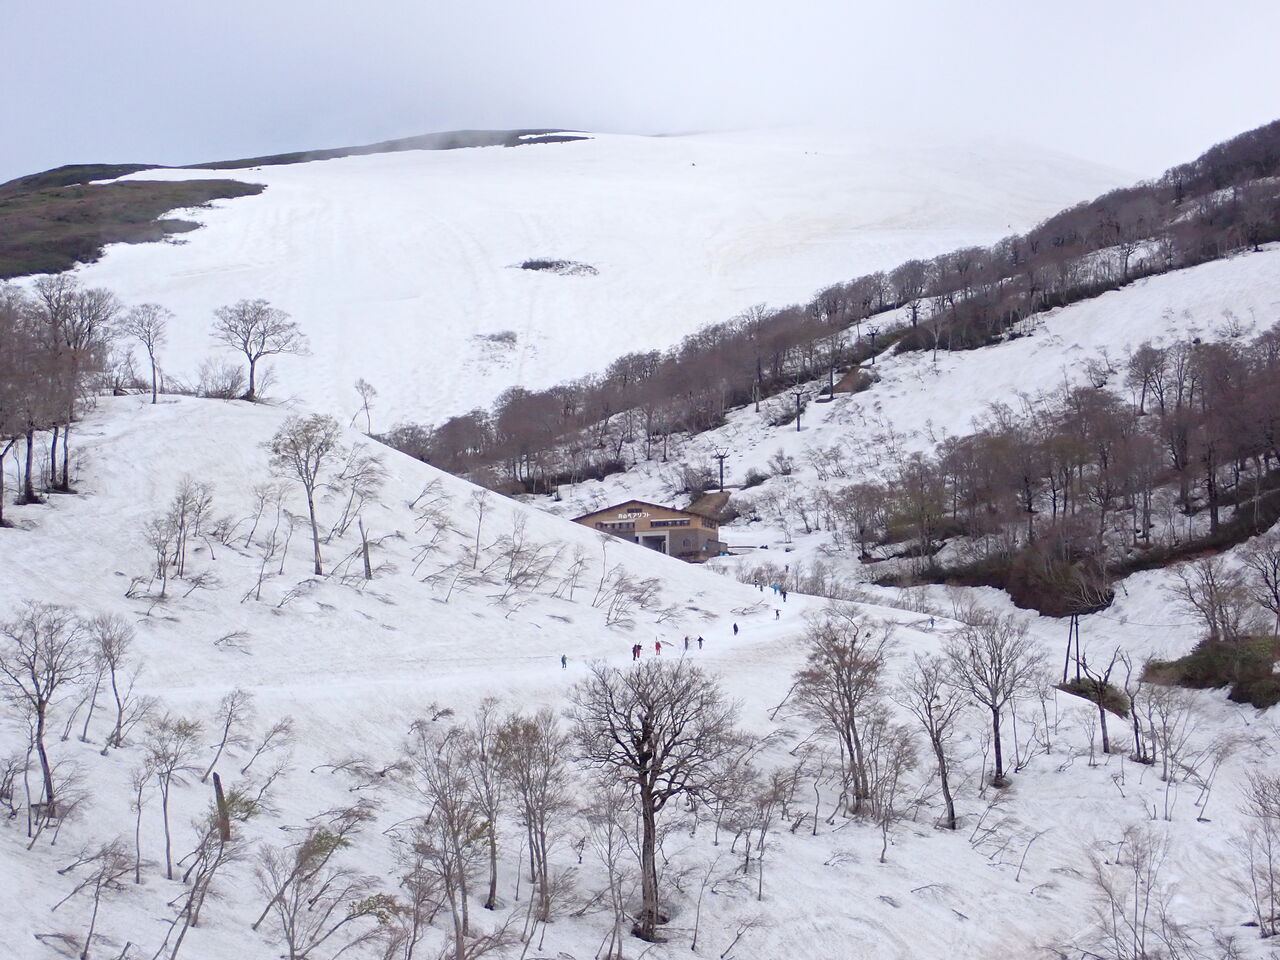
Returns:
point(684, 534)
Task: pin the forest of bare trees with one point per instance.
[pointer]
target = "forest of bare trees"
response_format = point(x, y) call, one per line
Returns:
point(1054, 499)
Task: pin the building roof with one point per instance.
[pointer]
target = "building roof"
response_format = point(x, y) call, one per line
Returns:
point(640, 503)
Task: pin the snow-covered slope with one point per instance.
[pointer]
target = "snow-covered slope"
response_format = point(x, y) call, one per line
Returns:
point(920, 401)
point(354, 663)
point(401, 267)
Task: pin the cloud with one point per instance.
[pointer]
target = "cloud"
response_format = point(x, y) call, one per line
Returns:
point(1131, 85)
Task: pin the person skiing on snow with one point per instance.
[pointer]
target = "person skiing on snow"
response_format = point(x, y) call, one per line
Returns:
point(699, 643)
point(564, 661)
point(777, 613)
point(657, 647)
point(686, 643)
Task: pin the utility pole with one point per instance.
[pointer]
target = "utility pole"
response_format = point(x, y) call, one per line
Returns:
point(721, 455)
point(798, 394)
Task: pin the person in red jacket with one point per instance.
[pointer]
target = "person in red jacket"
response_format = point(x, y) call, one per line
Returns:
point(657, 647)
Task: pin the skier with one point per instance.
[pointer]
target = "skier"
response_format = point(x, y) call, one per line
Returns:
point(657, 647)
point(784, 596)
point(635, 651)
point(735, 629)
point(699, 643)
point(931, 623)
point(564, 662)
point(686, 644)
point(777, 614)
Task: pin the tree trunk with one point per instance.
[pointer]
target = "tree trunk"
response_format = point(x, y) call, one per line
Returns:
point(168, 840)
point(3, 453)
point(490, 901)
point(28, 488)
point(646, 925)
point(153, 377)
point(65, 483)
point(945, 783)
point(998, 778)
point(220, 803)
point(46, 772)
point(315, 532)
point(249, 395)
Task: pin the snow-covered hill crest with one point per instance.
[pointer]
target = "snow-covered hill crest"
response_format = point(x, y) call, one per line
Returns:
point(404, 268)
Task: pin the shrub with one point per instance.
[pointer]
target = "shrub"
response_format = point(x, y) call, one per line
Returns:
point(1247, 668)
point(1112, 699)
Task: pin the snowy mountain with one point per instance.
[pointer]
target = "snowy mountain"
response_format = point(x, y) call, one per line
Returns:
point(404, 268)
point(408, 597)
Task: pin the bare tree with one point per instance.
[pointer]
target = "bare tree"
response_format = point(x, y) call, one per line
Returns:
point(488, 786)
point(215, 847)
point(891, 755)
point(995, 661)
point(1262, 558)
point(108, 864)
point(112, 638)
point(257, 329)
point(319, 903)
point(277, 736)
point(1132, 903)
point(367, 393)
point(659, 728)
point(171, 746)
point(1218, 594)
point(42, 652)
point(932, 699)
point(532, 754)
point(148, 323)
point(840, 683)
point(450, 834)
point(1261, 848)
point(282, 872)
point(303, 449)
point(610, 816)
point(235, 712)
point(479, 504)
point(139, 778)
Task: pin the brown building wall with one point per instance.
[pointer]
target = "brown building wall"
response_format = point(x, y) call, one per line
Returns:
point(665, 529)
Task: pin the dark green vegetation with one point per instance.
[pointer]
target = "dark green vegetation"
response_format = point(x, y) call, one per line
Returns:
point(52, 220)
point(47, 229)
point(449, 140)
point(1247, 666)
point(1098, 691)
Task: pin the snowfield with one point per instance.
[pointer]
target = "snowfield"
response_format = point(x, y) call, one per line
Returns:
point(403, 268)
point(355, 663)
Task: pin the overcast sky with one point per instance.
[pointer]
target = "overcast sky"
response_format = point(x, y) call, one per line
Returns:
point(1138, 86)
